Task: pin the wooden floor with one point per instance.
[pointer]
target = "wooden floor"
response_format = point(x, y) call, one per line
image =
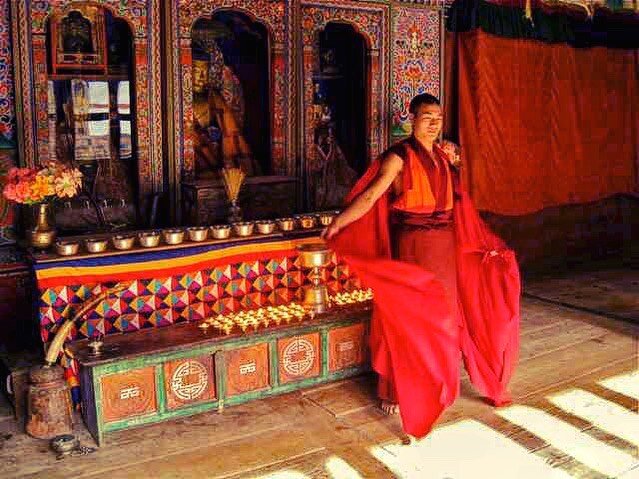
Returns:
point(575, 415)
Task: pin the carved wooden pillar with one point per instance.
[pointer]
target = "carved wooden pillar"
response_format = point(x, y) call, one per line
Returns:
point(374, 117)
point(186, 68)
point(38, 43)
point(280, 163)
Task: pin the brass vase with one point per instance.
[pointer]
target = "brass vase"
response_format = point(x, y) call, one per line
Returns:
point(41, 236)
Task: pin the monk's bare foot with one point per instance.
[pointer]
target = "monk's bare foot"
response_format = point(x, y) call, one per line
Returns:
point(408, 440)
point(390, 408)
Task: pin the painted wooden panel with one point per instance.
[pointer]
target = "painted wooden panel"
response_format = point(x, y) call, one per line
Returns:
point(277, 18)
point(247, 369)
point(128, 394)
point(143, 16)
point(7, 102)
point(415, 61)
point(189, 381)
point(298, 357)
point(346, 347)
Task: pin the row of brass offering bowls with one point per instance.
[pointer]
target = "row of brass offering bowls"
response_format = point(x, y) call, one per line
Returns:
point(175, 236)
point(126, 241)
point(264, 227)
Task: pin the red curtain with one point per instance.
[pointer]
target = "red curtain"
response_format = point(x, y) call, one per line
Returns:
point(545, 124)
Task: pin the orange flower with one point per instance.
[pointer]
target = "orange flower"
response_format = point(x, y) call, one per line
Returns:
point(42, 187)
point(65, 185)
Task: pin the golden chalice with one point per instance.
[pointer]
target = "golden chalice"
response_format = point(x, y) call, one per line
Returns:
point(315, 256)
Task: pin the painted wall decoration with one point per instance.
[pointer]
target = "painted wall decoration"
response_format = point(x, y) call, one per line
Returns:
point(143, 17)
point(7, 105)
point(276, 16)
point(416, 53)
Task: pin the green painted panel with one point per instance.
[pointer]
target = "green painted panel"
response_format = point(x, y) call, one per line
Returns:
point(220, 378)
point(160, 392)
point(218, 350)
point(324, 349)
point(273, 361)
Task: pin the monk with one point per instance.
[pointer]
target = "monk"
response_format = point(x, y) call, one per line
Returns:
point(445, 287)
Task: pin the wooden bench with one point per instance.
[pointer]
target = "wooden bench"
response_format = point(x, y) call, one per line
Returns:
point(159, 374)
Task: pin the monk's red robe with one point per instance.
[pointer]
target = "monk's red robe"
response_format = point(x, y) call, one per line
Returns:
point(416, 341)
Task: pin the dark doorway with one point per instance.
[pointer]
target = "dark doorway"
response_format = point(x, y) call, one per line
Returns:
point(343, 80)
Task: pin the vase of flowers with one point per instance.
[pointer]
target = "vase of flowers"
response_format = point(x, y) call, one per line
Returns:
point(39, 187)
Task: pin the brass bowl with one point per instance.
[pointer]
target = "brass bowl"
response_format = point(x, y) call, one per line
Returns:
point(307, 221)
point(149, 239)
point(64, 443)
point(244, 228)
point(67, 248)
point(286, 224)
point(198, 233)
point(265, 227)
point(173, 236)
point(326, 219)
point(123, 242)
point(94, 245)
point(314, 255)
point(221, 231)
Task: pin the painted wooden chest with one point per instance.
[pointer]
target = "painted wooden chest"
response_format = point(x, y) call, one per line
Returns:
point(156, 375)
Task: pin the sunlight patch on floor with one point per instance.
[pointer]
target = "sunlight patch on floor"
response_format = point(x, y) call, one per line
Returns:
point(631, 474)
point(626, 384)
point(584, 448)
point(606, 415)
point(338, 468)
point(467, 449)
point(284, 475)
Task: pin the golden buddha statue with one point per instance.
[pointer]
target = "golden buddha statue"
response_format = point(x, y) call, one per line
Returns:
point(219, 142)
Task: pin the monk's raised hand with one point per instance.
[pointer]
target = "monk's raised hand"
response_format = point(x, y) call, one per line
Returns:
point(329, 231)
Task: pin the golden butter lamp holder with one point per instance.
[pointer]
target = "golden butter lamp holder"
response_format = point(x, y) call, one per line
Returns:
point(264, 317)
point(256, 318)
point(315, 256)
